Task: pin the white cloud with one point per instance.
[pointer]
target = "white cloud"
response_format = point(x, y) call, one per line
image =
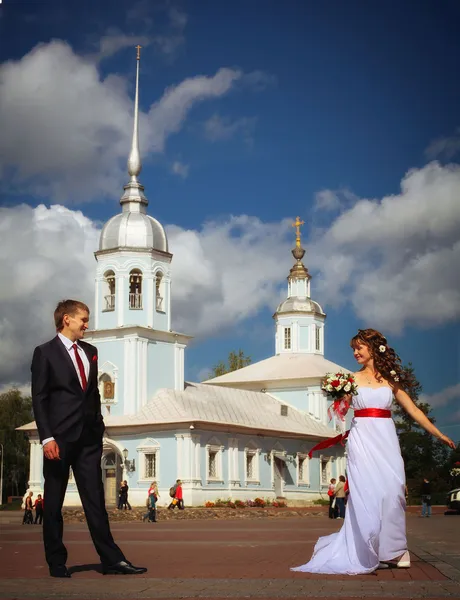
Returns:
point(395, 260)
point(223, 274)
point(444, 147)
point(66, 131)
point(46, 255)
point(331, 200)
point(180, 169)
point(218, 128)
point(445, 397)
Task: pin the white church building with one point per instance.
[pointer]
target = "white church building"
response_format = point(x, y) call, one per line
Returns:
point(243, 435)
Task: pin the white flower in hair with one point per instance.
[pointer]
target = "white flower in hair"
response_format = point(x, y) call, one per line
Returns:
point(396, 378)
point(392, 373)
point(382, 348)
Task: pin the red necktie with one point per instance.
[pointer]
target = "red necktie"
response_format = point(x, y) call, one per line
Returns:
point(81, 368)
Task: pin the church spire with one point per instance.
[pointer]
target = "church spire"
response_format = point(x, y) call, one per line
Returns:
point(299, 271)
point(134, 200)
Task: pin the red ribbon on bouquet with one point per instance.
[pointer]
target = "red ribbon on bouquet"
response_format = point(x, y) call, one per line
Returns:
point(339, 408)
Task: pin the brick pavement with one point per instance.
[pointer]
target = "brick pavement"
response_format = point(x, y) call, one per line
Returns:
point(226, 559)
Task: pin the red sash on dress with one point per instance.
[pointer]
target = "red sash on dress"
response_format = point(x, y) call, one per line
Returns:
point(378, 413)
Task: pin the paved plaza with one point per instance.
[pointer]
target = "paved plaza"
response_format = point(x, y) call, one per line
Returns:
point(225, 559)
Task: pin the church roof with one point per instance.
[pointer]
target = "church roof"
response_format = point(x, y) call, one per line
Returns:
point(280, 368)
point(219, 406)
point(199, 403)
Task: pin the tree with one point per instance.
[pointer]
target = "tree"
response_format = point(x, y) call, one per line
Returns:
point(235, 361)
point(15, 410)
point(424, 456)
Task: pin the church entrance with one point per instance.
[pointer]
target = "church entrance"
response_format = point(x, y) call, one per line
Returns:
point(278, 476)
point(111, 474)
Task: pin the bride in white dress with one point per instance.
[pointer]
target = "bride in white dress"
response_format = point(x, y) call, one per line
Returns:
point(373, 534)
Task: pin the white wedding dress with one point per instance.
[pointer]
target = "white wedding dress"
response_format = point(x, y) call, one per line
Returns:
point(374, 528)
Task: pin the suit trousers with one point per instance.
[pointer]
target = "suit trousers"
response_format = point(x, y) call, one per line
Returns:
point(84, 456)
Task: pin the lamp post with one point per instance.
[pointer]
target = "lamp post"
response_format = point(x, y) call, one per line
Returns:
point(129, 464)
point(1, 478)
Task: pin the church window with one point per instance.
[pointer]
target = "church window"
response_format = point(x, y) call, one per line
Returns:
point(287, 338)
point(302, 469)
point(149, 459)
point(159, 291)
point(317, 338)
point(212, 471)
point(325, 470)
point(150, 470)
point(109, 291)
point(251, 454)
point(214, 452)
point(249, 466)
point(135, 290)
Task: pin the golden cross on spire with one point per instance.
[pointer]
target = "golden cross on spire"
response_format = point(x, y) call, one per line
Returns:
point(298, 223)
point(138, 48)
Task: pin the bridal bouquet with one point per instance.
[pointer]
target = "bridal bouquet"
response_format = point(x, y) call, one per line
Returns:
point(339, 385)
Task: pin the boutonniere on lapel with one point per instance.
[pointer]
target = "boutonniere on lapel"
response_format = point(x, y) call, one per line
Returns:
point(94, 359)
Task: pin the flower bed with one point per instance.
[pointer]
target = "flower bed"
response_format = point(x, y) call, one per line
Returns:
point(257, 502)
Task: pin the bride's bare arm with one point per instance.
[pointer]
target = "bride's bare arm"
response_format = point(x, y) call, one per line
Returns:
point(419, 416)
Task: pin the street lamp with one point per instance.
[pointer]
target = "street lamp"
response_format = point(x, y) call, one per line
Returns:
point(130, 464)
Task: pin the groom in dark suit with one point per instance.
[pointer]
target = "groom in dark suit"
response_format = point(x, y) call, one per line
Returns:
point(67, 410)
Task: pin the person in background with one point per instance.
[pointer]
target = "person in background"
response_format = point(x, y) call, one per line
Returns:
point(425, 492)
point(340, 497)
point(123, 498)
point(28, 518)
point(38, 510)
point(332, 504)
point(178, 498)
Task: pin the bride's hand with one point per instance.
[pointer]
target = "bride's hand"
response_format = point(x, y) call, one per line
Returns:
point(446, 440)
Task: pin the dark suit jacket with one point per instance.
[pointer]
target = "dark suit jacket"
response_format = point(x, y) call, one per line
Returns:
point(61, 408)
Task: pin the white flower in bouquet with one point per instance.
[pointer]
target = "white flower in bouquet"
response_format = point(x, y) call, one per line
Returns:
point(347, 388)
point(329, 388)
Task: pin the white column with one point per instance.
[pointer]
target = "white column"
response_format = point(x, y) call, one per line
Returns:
point(129, 374)
point(152, 301)
point(97, 308)
point(187, 457)
point(179, 367)
point(179, 462)
point(33, 446)
point(196, 464)
point(168, 296)
point(143, 376)
point(295, 335)
point(120, 300)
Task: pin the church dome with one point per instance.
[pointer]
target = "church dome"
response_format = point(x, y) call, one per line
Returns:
point(133, 230)
point(299, 305)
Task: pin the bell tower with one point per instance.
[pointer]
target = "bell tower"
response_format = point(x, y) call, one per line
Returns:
point(138, 351)
point(299, 319)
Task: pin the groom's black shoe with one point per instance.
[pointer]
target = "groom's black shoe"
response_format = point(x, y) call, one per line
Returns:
point(123, 568)
point(59, 571)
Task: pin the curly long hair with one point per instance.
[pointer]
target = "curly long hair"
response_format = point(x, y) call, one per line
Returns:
point(387, 364)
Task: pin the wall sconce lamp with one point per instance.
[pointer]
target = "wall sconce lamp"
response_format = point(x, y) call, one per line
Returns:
point(129, 464)
point(291, 459)
point(267, 457)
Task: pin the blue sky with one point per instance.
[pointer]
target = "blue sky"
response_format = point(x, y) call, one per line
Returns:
point(319, 106)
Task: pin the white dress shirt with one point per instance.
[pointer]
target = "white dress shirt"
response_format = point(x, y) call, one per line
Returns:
point(69, 347)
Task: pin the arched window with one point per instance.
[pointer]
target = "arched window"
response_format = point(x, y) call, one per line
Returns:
point(135, 289)
point(109, 291)
point(160, 291)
